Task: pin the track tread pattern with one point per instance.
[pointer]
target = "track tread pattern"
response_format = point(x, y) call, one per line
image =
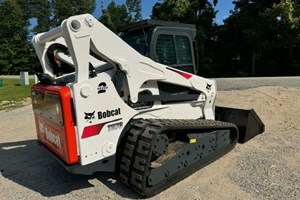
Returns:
point(137, 152)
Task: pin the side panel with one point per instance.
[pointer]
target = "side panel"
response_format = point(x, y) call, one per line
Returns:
point(54, 121)
point(101, 116)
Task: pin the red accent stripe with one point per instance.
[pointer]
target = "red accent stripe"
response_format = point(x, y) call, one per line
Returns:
point(183, 74)
point(93, 130)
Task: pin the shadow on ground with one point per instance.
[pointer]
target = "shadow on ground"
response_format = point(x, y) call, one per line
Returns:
point(25, 163)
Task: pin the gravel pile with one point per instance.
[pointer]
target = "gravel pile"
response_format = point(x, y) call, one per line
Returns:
point(266, 175)
point(267, 167)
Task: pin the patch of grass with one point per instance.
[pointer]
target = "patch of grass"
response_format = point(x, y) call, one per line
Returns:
point(12, 94)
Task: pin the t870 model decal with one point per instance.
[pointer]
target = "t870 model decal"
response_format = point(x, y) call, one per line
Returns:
point(115, 126)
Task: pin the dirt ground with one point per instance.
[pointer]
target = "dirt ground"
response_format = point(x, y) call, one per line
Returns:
point(267, 167)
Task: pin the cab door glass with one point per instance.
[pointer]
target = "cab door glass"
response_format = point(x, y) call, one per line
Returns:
point(183, 50)
point(174, 51)
point(165, 50)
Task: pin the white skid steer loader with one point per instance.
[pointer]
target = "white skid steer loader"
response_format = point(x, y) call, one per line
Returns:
point(102, 104)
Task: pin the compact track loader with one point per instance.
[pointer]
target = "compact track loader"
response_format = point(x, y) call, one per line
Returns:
point(102, 104)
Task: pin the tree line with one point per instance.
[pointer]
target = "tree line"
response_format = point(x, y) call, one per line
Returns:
point(258, 38)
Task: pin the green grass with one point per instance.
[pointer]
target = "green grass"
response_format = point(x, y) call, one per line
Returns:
point(12, 94)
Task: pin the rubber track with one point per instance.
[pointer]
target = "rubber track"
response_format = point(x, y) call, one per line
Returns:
point(137, 153)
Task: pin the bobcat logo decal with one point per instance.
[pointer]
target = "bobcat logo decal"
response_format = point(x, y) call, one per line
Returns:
point(89, 116)
point(208, 86)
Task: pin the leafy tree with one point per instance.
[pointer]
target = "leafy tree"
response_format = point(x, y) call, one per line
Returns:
point(16, 52)
point(115, 16)
point(134, 10)
point(50, 13)
point(42, 12)
point(27, 7)
point(14, 47)
point(261, 37)
point(65, 8)
point(173, 10)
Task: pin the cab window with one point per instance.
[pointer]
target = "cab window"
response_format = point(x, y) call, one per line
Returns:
point(175, 51)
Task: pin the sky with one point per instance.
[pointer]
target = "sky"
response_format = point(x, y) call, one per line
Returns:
point(223, 7)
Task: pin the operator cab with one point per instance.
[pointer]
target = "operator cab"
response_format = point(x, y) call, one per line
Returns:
point(168, 43)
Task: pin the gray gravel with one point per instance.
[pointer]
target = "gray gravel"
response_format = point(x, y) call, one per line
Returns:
point(266, 176)
point(267, 167)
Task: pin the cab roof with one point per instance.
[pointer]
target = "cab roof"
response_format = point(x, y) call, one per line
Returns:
point(149, 23)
